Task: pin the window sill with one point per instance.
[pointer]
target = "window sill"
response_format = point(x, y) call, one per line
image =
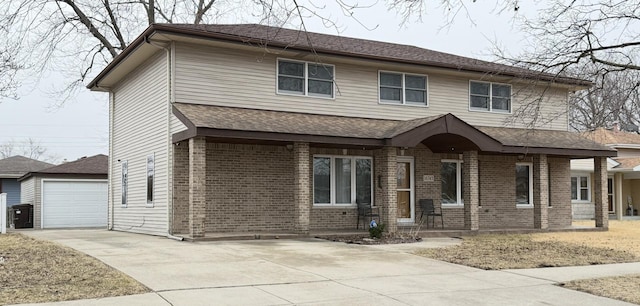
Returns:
point(445, 206)
point(297, 94)
point(483, 110)
point(580, 202)
point(524, 205)
point(335, 206)
point(403, 104)
point(149, 205)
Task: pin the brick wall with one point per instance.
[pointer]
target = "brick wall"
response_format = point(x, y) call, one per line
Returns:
point(180, 206)
point(560, 191)
point(249, 188)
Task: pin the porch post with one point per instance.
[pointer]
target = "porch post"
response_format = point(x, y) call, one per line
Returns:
point(540, 191)
point(301, 187)
point(197, 186)
point(617, 185)
point(471, 190)
point(600, 191)
point(388, 181)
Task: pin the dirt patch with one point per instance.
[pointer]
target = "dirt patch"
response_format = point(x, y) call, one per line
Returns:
point(624, 288)
point(496, 252)
point(34, 271)
point(362, 239)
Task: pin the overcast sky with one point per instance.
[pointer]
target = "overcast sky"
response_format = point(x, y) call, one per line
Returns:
point(80, 127)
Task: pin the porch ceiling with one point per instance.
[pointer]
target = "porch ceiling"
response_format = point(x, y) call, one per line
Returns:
point(444, 133)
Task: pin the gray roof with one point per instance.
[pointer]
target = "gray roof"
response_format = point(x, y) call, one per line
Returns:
point(93, 165)
point(17, 166)
point(230, 122)
point(276, 37)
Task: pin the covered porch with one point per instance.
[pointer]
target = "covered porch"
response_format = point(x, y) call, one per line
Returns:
point(300, 174)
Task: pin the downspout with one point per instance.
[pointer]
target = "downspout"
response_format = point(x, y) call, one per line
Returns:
point(169, 153)
point(112, 106)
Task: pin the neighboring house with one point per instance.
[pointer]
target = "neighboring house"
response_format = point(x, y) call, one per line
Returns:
point(250, 128)
point(73, 194)
point(11, 168)
point(623, 181)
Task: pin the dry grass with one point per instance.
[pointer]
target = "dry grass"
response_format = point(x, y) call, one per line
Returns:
point(496, 252)
point(33, 271)
point(621, 236)
point(624, 288)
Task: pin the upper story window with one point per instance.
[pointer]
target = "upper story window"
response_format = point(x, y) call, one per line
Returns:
point(492, 97)
point(402, 88)
point(304, 78)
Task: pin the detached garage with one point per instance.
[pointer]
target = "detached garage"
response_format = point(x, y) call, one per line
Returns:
point(70, 195)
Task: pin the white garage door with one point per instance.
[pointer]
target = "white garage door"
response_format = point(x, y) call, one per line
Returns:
point(74, 204)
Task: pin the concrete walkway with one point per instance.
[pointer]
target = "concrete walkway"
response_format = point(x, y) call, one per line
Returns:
point(315, 272)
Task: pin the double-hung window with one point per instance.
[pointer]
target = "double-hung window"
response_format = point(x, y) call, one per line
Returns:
point(304, 78)
point(492, 97)
point(580, 188)
point(524, 184)
point(342, 180)
point(451, 176)
point(402, 88)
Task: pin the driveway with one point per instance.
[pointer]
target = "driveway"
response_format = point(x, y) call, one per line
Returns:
point(301, 272)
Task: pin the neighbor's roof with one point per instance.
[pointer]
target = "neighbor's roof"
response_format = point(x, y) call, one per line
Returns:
point(262, 35)
point(613, 138)
point(17, 166)
point(279, 126)
point(94, 165)
point(628, 162)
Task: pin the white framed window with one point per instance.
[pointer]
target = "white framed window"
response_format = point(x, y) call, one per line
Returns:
point(524, 184)
point(580, 188)
point(452, 186)
point(402, 88)
point(488, 96)
point(305, 78)
point(150, 179)
point(124, 167)
point(342, 180)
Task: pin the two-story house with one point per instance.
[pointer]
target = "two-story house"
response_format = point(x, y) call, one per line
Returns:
point(623, 182)
point(258, 129)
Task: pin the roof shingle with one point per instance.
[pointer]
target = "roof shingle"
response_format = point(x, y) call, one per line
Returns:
point(17, 166)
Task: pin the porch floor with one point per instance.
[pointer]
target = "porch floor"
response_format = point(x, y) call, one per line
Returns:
point(424, 233)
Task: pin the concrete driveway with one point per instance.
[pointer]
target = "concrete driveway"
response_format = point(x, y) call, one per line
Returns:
point(306, 271)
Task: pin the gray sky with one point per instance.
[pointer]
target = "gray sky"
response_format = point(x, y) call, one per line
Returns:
point(80, 127)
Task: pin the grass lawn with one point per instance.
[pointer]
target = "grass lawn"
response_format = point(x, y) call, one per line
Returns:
point(33, 271)
point(620, 244)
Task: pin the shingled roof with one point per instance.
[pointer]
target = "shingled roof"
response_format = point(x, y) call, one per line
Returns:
point(94, 165)
point(17, 166)
point(613, 138)
point(262, 35)
point(279, 126)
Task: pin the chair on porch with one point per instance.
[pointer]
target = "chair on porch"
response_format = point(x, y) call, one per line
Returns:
point(365, 211)
point(429, 210)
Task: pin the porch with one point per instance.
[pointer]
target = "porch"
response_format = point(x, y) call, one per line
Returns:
point(264, 184)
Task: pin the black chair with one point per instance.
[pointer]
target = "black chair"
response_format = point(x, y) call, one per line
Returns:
point(429, 210)
point(366, 212)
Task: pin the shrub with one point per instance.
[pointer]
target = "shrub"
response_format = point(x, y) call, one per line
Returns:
point(376, 232)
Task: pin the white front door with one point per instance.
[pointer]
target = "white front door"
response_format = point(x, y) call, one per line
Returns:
point(406, 206)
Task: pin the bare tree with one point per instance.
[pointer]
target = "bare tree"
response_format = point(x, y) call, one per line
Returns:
point(28, 148)
point(614, 97)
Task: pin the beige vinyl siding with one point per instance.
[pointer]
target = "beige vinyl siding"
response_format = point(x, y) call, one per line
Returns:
point(27, 191)
point(228, 77)
point(176, 125)
point(140, 128)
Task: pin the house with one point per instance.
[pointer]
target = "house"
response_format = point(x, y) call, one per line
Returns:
point(623, 181)
point(257, 129)
point(11, 168)
point(73, 194)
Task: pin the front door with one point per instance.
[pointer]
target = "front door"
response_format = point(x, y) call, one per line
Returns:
point(406, 206)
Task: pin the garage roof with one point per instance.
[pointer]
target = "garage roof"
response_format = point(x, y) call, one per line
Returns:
point(93, 165)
